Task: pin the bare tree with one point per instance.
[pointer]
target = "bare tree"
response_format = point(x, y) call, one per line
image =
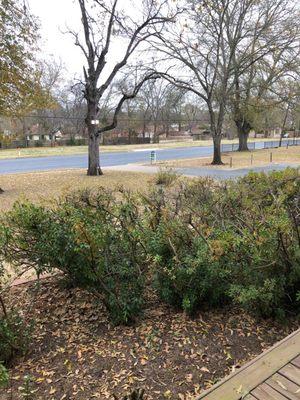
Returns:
point(199, 47)
point(213, 47)
point(156, 99)
point(173, 108)
point(103, 22)
point(270, 52)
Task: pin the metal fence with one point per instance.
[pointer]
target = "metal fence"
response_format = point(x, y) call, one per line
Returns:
point(285, 143)
point(234, 147)
point(272, 144)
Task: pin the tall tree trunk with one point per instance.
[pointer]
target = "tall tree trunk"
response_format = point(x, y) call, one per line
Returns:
point(243, 140)
point(243, 129)
point(217, 157)
point(167, 129)
point(94, 168)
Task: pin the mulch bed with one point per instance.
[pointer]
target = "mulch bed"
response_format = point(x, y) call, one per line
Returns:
point(77, 354)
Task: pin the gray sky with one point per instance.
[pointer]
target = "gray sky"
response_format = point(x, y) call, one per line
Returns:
point(54, 16)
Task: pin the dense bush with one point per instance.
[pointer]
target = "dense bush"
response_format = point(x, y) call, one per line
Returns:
point(92, 237)
point(263, 213)
point(237, 241)
point(207, 243)
point(187, 273)
point(15, 331)
point(15, 335)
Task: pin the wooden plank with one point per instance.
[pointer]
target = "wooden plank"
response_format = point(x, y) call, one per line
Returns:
point(250, 397)
point(266, 392)
point(291, 372)
point(296, 362)
point(284, 386)
point(242, 382)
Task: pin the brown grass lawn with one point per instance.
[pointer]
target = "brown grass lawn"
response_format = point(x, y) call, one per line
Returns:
point(244, 159)
point(46, 186)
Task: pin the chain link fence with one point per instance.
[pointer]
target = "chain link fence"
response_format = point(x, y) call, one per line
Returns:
point(272, 144)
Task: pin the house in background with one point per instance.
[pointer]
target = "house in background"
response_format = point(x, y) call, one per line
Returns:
point(34, 135)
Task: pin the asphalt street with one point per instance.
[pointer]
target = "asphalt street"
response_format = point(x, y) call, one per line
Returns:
point(108, 159)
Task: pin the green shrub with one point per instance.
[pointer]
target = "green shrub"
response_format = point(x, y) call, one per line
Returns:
point(262, 211)
point(207, 243)
point(15, 335)
point(92, 237)
point(240, 241)
point(186, 272)
point(14, 330)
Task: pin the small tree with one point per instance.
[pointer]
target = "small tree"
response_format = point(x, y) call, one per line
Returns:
point(102, 24)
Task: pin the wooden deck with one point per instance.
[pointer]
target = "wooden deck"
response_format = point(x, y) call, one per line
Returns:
point(274, 375)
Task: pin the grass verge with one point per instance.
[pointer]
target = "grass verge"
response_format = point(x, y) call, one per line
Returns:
point(237, 160)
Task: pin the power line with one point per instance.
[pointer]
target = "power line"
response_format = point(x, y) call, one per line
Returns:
point(121, 119)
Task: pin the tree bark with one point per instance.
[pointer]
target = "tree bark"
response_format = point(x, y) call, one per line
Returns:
point(243, 129)
point(243, 140)
point(94, 168)
point(217, 157)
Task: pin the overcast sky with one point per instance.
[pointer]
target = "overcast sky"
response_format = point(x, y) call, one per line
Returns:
point(55, 16)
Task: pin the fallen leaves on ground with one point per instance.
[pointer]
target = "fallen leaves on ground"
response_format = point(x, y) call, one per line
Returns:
point(77, 354)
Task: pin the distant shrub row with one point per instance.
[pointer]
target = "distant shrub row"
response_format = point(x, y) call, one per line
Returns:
point(200, 243)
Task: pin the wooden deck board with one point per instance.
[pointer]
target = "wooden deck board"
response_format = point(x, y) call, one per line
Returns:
point(241, 384)
point(284, 386)
point(266, 392)
point(291, 372)
point(296, 362)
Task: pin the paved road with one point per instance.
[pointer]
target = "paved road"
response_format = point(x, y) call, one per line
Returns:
point(107, 159)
